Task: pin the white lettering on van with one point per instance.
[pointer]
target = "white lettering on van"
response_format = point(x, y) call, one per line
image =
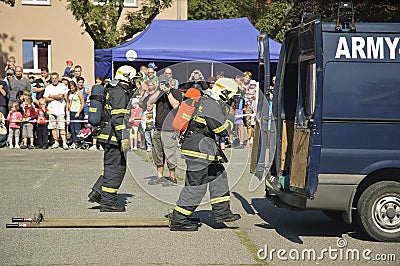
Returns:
point(375, 48)
point(392, 47)
point(342, 48)
point(367, 48)
point(357, 45)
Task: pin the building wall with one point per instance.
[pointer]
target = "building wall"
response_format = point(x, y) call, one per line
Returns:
point(56, 24)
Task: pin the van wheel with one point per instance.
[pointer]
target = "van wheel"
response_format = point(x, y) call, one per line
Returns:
point(379, 211)
point(336, 216)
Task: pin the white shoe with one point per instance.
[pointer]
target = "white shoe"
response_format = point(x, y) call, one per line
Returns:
point(55, 145)
point(73, 146)
point(17, 146)
point(93, 148)
point(65, 146)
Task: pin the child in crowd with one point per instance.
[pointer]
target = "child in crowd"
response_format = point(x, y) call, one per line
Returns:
point(134, 122)
point(249, 109)
point(15, 117)
point(148, 124)
point(27, 126)
point(68, 72)
point(3, 131)
point(247, 122)
point(20, 100)
point(25, 94)
point(42, 122)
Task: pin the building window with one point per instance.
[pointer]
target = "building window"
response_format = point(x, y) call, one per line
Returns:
point(35, 2)
point(36, 54)
point(130, 3)
point(127, 3)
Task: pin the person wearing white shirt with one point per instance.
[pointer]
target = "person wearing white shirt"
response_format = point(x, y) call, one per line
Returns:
point(55, 95)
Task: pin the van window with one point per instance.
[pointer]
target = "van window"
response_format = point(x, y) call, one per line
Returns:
point(308, 87)
point(361, 91)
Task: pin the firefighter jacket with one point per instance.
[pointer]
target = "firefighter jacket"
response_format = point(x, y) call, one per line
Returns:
point(210, 118)
point(116, 115)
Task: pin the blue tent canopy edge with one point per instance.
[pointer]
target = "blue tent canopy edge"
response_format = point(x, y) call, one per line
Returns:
point(224, 40)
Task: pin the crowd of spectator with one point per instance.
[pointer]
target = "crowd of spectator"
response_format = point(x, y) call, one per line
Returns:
point(39, 111)
point(51, 111)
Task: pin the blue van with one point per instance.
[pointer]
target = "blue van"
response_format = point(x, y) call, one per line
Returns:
point(334, 140)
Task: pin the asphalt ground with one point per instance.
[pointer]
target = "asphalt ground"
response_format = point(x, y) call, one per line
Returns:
point(58, 181)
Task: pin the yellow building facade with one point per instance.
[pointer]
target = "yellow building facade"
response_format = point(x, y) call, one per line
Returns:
point(44, 33)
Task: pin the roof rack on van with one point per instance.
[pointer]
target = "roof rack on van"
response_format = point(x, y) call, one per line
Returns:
point(348, 9)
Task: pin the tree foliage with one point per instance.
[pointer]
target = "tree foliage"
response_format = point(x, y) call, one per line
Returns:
point(101, 21)
point(276, 16)
point(218, 9)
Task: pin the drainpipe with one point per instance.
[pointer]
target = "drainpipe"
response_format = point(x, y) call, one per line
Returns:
point(178, 17)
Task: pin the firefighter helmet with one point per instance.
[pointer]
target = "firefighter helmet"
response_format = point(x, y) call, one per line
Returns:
point(225, 88)
point(126, 73)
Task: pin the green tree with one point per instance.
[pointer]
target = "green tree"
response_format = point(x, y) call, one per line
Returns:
point(281, 15)
point(277, 16)
point(219, 9)
point(101, 21)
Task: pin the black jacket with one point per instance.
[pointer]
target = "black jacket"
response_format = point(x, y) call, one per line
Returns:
point(117, 112)
point(209, 119)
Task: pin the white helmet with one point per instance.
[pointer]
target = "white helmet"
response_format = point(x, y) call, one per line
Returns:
point(126, 73)
point(225, 88)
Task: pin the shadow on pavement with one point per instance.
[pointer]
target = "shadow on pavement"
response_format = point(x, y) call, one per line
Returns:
point(245, 204)
point(294, 224)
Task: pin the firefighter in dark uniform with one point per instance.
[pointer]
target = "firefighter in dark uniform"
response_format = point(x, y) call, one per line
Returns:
point(204, 160)
point(114, 138)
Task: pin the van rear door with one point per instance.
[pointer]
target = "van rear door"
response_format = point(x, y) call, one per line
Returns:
point(297, 111)
point(306, 133)
point(259, 159)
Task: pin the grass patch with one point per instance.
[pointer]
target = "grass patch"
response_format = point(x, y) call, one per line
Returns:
point(245, 240)
point(146, 156)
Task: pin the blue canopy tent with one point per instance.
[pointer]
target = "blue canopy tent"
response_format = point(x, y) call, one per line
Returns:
point(165, 42)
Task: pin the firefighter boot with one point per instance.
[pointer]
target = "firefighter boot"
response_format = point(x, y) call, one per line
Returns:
point(223, 213)
point(180, 222)
point(94, 196)
point(109, 203)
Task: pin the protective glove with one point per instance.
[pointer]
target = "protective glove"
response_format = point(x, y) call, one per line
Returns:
point(125, 145)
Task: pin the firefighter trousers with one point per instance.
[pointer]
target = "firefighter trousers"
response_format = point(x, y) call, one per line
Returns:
point(114, 164)
point(198, 177)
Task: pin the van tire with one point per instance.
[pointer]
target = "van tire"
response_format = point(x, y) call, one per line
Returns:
point(378, 211)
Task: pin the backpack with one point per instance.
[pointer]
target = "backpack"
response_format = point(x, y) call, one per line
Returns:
point(184, 114)
point(97, 102)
